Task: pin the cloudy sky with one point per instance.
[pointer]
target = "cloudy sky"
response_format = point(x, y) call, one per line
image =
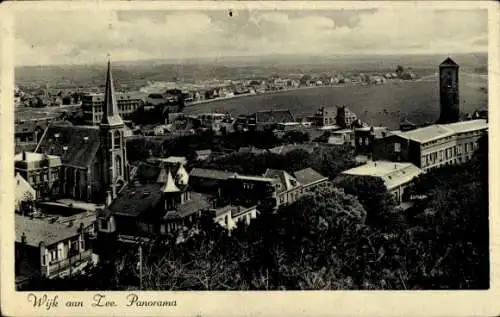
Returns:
point(55, 37)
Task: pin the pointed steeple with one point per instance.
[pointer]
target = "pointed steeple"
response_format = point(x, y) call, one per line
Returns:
point(162, 177)
point(182, 176)
point(110, 115)
point(170, 186)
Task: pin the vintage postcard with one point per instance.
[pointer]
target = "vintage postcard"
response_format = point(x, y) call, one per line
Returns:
point(249, 158)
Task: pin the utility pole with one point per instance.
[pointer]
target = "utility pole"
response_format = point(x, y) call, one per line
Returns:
point(140, 267)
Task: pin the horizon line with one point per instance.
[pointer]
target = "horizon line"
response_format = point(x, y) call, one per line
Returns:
point(216, 60)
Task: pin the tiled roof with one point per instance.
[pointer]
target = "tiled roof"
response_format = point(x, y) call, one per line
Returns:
point(287, 181)
point(274, 116)
point(197, 202)
point(135, 200)
point(308, 176)
point(76, 145)
point(211, 173)
point(37, 230)
point(392, 174)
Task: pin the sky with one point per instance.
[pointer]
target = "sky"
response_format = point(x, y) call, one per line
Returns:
point(80, 37)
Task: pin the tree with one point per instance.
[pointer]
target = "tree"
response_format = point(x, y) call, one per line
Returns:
point(400, 70)
point(373, 195)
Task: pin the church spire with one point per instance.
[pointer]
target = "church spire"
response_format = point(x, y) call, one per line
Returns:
point(110, 115)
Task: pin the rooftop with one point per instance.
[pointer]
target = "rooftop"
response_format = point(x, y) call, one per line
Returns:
point(425, 134)
point(448, 62)
point(466, 126)
point(278, 116)
point(392, 174)
point(287, 181)
point(134, 200)
point(308, 176)
point(33, 157)
point(37, 230)
point(211, 173)
point(76, 145)
point(283, 149)
point(437, 131)
point(197, 202)
point(254, 178)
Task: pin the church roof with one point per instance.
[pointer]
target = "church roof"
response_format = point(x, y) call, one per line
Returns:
point(110, 116)
point(76, 145)
point(448, 62)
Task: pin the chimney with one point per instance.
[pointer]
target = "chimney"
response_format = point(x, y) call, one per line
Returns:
point(395, 166)
point(23, 238)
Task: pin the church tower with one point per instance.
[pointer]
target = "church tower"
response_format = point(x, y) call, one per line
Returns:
point(113, 147)
point(448, 92)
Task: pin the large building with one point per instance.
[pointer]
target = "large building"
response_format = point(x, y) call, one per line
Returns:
point(45, 249)
point(449, 92)
point(433, 146)
point(41, 171)
point(94, 160)
point(93, 106)
point(397, 177)
point(264, 120)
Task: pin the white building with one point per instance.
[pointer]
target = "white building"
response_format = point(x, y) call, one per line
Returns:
point(397, 177)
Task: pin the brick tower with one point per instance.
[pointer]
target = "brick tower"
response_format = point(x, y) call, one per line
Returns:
point(448, 92)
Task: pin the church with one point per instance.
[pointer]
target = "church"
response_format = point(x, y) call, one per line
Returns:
point(94, 164)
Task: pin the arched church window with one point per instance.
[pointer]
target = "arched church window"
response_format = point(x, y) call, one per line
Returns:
point(117, 140)
point(118, 166)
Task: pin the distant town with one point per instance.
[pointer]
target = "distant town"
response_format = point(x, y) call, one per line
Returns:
point(103, 174)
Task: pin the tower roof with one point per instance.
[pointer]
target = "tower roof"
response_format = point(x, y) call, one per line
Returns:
point(448, 62)
point(163, 176)
point(170, 186)
point(110, 115)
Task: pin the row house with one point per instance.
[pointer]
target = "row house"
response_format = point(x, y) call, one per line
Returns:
point(433, 146)
point(45, 249)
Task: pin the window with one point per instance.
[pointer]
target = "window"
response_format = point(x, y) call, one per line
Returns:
point(104, 224)
point(226, 220)
point(53, 255)
point(397, 147)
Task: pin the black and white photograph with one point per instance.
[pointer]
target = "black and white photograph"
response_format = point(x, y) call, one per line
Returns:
point(237, 149)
